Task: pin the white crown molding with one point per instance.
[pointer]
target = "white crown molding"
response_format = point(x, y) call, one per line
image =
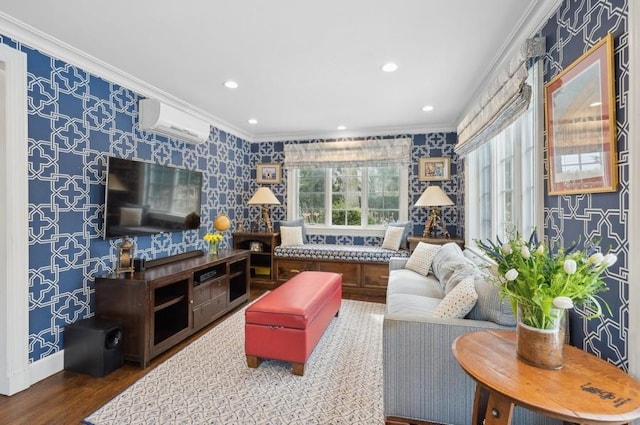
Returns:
point(530, 23)
point(34, 38)
point(335, 134)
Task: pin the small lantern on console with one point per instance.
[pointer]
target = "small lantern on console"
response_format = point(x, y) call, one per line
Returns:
point(124, 259)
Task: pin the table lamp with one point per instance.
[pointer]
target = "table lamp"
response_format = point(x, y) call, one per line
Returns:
point(434, 197)
point(265, 197)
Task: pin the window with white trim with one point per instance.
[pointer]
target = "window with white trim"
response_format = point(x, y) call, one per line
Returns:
point(348, 197)
point(504, 177)
point(350, 187)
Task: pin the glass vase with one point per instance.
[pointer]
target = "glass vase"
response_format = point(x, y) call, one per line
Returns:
point(543, 348)
point(213, 248)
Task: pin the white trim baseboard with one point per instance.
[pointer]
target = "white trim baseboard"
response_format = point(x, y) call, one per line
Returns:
point(46, 367)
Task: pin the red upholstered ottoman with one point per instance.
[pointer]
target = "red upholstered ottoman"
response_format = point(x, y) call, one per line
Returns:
point(287, 323)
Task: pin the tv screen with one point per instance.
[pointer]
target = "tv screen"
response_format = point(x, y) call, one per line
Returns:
point(143, 198)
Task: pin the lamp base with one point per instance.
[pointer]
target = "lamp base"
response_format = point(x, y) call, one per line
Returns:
point(266, 218)
point(435, 221)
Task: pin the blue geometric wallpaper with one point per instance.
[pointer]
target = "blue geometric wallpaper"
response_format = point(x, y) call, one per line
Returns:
point(573, 29)
point(75, 121)
point(423, 145)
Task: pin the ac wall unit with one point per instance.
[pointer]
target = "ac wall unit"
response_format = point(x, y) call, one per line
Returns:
point(160, 118)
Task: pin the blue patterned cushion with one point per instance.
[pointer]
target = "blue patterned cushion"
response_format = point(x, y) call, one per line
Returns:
point(360, 253)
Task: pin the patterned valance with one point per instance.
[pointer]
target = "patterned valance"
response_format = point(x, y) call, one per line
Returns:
point(352, 153)
point(501, 103)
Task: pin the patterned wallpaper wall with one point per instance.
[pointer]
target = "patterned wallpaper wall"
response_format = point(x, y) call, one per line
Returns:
point(76, 120)
point(574, 28)
point(424, 145)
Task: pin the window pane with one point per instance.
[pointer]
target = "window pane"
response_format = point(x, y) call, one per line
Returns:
point(346, 202)
point(350, 196)
point(383, 194)
point(311, 184)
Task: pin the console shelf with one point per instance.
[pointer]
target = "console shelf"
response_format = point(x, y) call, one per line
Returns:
point(163, 305)
point(261, 245)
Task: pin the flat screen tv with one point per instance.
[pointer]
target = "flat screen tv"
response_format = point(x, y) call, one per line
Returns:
point(143, 198)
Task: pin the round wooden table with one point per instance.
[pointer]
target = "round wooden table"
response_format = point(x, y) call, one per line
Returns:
point(587, 390)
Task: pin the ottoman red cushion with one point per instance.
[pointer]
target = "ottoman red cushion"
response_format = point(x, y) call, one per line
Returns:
point(296, 302)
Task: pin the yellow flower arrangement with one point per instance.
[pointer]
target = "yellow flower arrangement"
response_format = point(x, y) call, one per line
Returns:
point(212, 237)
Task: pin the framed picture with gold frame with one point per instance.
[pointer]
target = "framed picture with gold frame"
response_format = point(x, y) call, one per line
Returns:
point(581, 124)
point(269, 173)
point(434, 169)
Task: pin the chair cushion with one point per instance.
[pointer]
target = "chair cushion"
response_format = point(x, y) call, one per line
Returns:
point(412, 305)
point(459, 301)
point(291, 236)
point(294, 223)
point(407, 227)
point(449, 259)
point(409, 282)
point(392, 238)
point(421, 258)
point(490, 306)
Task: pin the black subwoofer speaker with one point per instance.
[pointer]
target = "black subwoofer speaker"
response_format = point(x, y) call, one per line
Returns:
point(93, 346)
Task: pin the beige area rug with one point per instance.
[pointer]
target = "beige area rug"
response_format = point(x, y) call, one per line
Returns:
point(208, 382)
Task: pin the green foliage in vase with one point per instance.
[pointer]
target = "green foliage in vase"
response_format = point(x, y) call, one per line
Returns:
point(533, 276)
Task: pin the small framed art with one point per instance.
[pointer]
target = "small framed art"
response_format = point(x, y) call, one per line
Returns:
point(268, 173)
point(434, 169)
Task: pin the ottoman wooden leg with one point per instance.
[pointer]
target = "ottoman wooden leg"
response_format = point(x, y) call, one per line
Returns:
point(253, 361)
point(298, 369)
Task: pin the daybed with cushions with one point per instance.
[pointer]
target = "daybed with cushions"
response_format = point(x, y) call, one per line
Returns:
point(433, 297)
point(364, 268)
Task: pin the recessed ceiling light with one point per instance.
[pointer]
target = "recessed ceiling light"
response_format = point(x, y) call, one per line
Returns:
point(342, 127)
point(389, 67)
point(253, 121)
point(427, 108)
point(230, 84)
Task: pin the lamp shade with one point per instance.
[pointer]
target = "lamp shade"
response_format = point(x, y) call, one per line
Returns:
point(433, 196)
point(264, 196)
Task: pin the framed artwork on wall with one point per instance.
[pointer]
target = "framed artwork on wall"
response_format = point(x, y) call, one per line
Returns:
point(434, 169)
point(268, 173)
point(581, 124)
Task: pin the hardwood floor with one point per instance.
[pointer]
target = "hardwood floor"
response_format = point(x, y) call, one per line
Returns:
point(68, 397)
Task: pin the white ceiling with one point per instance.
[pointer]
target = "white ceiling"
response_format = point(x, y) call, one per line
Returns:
point(303, 67)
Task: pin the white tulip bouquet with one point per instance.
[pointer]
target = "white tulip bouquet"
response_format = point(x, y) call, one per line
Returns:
point(536, 280)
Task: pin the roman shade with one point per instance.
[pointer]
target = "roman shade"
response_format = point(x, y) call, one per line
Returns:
point(350, 153)
point(501, 103)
